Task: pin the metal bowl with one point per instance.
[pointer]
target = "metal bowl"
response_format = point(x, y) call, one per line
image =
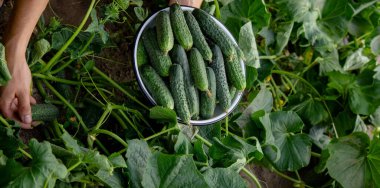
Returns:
point(219, 114)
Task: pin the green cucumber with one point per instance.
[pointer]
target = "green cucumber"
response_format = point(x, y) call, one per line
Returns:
point(178, 55)
point(211, 29)
point(198, 38)
point(159, 61)
point(44, 112)
point(180, 29)
point(142, 55)
point(156, 87)
point(5, 75)
point(164, 31)
point(222, 90)
point(177, 86)
point(198, 70)
point(235, 73)
point(232, 92)
point(208, 101)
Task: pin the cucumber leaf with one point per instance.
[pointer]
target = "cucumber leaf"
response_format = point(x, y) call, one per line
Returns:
point(114, 179)
point(137, 155)
point(239, 12)
point(8, 142)
point(247, 43)
point(354, 160)
point(43, 171)
point(223, 177)
point(164, 170)
point(295, 147)
point(183, 144)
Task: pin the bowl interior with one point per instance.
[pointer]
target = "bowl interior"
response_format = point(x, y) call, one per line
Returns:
point(219, 113)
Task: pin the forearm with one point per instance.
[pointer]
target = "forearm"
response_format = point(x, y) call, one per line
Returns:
point(192, 3)
point(23, 20)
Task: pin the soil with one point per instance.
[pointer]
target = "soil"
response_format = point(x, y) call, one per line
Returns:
point(118, 66)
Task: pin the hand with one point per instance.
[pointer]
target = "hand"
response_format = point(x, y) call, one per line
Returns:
point(191, 3)
point(15, 97)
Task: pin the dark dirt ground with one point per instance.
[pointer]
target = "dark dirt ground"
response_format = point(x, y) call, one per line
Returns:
point(119, 68)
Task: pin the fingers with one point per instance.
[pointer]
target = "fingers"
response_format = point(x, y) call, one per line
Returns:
point(24, 109)
point(32, 100)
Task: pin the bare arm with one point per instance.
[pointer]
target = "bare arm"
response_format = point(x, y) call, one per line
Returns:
point(192, 3)
point(15, 98)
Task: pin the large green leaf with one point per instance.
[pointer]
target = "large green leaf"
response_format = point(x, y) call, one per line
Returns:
point(308, 108)
point(356, 60)
point(239, 12)
point(295, 147)
point(8, 142)
point(165, 170)
point(93, 159)
point(137, 155)
point(233, 152)
point(354, 160)
point(263, 101)
point(111, 179)
point(43, 170)
point(163, 114)
point(223, 177)
point(247, 43)
point(375, 117)
point(183, 144)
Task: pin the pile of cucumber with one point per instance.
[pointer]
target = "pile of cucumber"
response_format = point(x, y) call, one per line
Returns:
point(188, 63)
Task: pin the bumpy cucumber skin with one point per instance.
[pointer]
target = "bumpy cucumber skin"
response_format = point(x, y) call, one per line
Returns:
point(177, 86)
point(208, 102)
point(180, 29)
point(159, 61)
point(5, 75)
point(222, 90)
point(232, 92)
point(213, 31)
point(164, 31)
point(156, 87)
point(198, 70)
point(142, 55)
point(198, 38)
point(235, 73)
point(44, 112)
point(178, 55)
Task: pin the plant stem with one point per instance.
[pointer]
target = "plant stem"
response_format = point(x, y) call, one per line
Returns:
point(111, 134)
point(25, 153)
point(315, 154)
point(74, 166)
point(160, 133)
point(217, 9)
point(113, 83)
point(2, 120)
point(227, 125)
point(298, 175)
point(53, 60)
point(105, 115)
point(60, 80)
point(268, 57)
point(41, 89)
point(207, 143)
point(100, 144)
point(56, 93)
point(131, 123)
point(252, 176)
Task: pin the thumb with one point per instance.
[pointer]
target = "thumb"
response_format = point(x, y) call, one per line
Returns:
point(24, 109)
